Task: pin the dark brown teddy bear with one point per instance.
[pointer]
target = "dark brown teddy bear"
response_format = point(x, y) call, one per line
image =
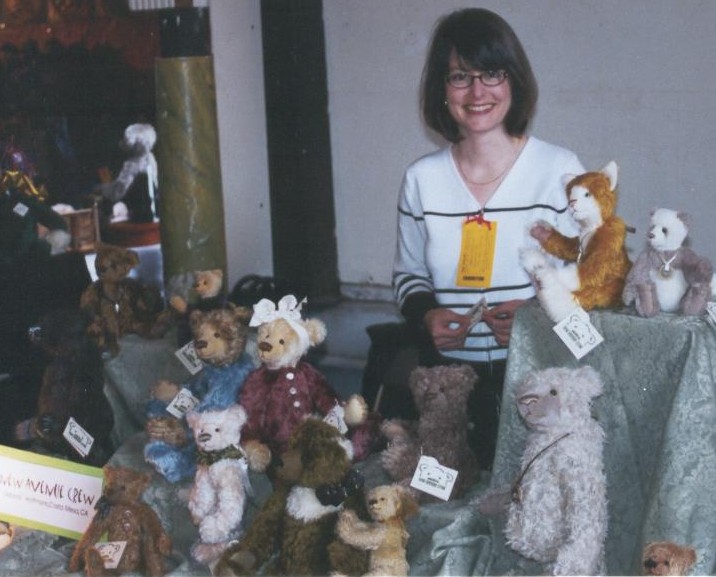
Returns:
point(297, 522)
point(440, 394)
point(118, 303)
point(72, 388)
point(123, 516)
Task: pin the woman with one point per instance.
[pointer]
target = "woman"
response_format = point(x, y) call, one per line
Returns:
point(464, 210)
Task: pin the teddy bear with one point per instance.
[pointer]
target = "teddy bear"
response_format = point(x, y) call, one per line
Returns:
point(667, 558)
point(386, 537)
point(296, 524)
point(74, 418)
point(668, 276)
point(440, 394)
point(557, 511)
point(137, 184)
point(123, 516)
point(285, 388)
point(218, 495)
point(592, 266)
point(219, 341)
point(119, 303)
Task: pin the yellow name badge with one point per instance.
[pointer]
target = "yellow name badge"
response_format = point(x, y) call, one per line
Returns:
point(477, 252)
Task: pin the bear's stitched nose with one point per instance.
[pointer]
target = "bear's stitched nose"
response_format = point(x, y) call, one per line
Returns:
point(204, 437)
point(201, 344)
point(264, 346)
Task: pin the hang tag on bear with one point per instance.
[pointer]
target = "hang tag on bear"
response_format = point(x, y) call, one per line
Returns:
point(188, 357)
point(76, 436)
point(578, 333)
point(111, 552)
point(21, 209)
point(433, 478)
point(182, 403)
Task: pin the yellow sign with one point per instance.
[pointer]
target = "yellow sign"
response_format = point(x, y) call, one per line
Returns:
point(477, 252)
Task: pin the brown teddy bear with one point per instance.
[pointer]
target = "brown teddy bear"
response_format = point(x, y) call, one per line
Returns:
point(297, 522)
point(123, 516)
point(386, 537)
point(667, 558)
point(118, 303)
point(440, 394)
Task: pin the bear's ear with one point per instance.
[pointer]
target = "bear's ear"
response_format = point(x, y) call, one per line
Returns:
point(408, 504)
point(316, 330)
point(238, 414)
point(610, 171)
point(684, 217)
point(589, 381)
point(241, 314)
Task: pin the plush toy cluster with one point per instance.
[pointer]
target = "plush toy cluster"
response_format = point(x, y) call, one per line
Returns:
point(667, 275)
point(558, 509)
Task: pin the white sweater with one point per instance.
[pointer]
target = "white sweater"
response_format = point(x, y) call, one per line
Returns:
point(434, 202)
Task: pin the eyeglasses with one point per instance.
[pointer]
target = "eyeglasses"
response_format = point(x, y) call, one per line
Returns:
point(461, 79)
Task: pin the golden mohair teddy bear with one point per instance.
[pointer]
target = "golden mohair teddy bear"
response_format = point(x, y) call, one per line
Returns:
point(667, 558)
point(595, 261)
point(386, 537)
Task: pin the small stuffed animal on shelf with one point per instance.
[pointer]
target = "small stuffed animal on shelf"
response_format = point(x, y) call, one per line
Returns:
point(386, 537)
point(74, 418)
point(220, 341)
point(123, 516)
point(668, 276)
point(286, 389)
point(558, 509)
point(118, 303)
point(440, 395)
point(201, 290)
point(218, 495)
point(595, 262)
point(667, 558)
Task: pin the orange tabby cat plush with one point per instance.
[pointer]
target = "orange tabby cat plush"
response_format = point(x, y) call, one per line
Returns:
point(595, 261)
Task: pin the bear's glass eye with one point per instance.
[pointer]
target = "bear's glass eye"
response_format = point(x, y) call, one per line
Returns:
point(664, 230)
point(217, 429)
point(553, 392)
point(281, 341)
point(217, 335)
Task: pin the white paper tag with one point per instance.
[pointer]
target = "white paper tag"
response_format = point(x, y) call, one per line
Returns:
point(76, 436)
point(111, 552)
point(21, 209)
point(476, 311)
point(336, 417)
point(578, 333)
point(182, 403)
point(433, 478)
point(711, 310)
point(188, 357)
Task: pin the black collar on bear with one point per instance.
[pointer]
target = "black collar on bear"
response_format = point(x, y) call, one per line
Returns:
point(208, 458)
point(335, 493)
point(516, 491)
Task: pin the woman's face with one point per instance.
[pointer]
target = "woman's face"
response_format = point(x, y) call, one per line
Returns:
point(477, 108)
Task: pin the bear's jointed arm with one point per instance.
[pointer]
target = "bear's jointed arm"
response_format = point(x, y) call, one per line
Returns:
point(563, 247)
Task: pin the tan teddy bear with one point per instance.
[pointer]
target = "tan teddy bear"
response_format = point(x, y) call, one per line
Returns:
point(667, 558)
point(123, 516)
point(386, 537)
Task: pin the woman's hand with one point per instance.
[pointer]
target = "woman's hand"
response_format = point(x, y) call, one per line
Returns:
point(499, 318)
point(447, 328)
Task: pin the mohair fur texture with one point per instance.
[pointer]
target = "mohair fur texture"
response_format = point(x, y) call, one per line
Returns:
point(217, 500)
point(667, 558)
point(386, 537)
point(440, 394)
point(72, 387)
point(123, 516)
point(558, 510)
point(668, 276)
point(294, 527)
point(118, 303)
point(594, 264)
point(219, 340)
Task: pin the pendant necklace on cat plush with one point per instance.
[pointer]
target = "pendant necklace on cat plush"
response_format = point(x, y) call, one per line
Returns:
point(583, 242)
point(665, 270)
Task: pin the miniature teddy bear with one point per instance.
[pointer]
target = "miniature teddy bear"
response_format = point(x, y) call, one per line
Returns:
point(595, 261)
point(668, 276)
point(137, 183)
point(218, 496)
point(298, 519)
point(440, 394)
point(558, 510)
point(386, 537)
point(219, 340)
point(205, 291)
point(667, 558)
point(123, 516)
point(74, 418)
point(118, 303)
point(286, 389)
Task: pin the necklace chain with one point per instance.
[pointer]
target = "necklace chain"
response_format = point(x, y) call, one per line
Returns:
point(496, 178)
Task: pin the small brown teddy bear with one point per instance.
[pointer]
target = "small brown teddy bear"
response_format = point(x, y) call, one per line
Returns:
point(118, 303)
point(386, 537)
point(667, 558)
point(440, 395)
point(124, 517)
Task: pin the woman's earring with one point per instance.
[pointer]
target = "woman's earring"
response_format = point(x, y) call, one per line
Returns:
point(445, 102)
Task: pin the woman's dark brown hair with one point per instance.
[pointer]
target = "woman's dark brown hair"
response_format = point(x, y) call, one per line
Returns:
point(482, 41)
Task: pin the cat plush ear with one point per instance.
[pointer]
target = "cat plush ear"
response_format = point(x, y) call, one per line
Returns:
point(610, 171)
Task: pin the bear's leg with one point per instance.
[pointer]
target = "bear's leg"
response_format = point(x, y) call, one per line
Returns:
point(646, 302)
